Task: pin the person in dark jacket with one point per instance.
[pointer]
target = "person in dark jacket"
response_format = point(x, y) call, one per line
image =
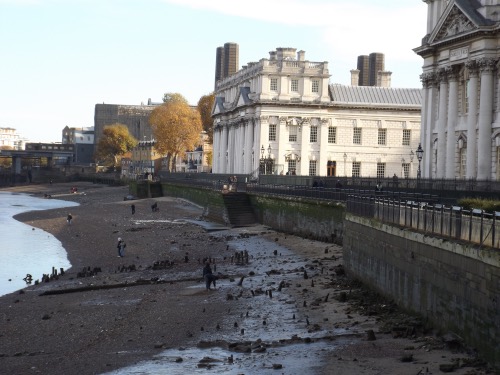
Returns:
point(208, 275)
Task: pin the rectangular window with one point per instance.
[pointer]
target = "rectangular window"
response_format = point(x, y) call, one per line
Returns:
point(312, 167)
point(356, 136)
point(406, 137)
point(272, 132)
point(294, 87)
point(332, 134)
point(292, 133)
point(463, 162)
point(406, 170)
point(356, 169)
point(315, 85)
point(380, 170)
point(292, 167)
point(274, 84)
point(313, 135)
point(382, 137)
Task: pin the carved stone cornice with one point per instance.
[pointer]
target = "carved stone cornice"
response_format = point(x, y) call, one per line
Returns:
point(428, 79)
point(453, 72)
point(487, 64)
point(274, 120)
point(473, 68)
point(442, 75)
point(294, 121)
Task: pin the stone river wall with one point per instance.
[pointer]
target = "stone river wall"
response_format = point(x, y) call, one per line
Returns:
point(455, 285)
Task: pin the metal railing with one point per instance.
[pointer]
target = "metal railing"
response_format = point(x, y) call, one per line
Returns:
point(474, 226)
point(335, 194)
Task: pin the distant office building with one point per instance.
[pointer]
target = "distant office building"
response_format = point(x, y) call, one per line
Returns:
point(135, 117)
point(376, 64)
point(227, 61)
point(364, 70)
point(83, 140)
point(11, 140)
point(371, 71)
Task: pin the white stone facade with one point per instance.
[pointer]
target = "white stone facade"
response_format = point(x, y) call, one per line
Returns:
point(281, 115)
point(461, 80)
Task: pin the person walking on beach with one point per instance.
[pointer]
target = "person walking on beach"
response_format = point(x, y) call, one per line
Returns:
point(69, 219)
point(121, 247)
point(208, 275)
point(133, 209)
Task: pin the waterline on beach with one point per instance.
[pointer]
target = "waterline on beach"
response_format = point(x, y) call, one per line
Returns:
point(25, 249)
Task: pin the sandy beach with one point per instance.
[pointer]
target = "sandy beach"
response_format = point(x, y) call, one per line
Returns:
point(282, 304)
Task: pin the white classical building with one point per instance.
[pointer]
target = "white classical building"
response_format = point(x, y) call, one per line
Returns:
point(282, 116)
point(461, 99)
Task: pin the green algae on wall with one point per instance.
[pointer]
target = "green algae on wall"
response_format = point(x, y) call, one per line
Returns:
point(313, 219)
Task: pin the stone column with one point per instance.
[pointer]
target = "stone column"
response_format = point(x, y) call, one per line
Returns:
point(472, 90)
point(237, 149)
point(224, 149)
point(323, 125)
point(257, 131)
point(248, 147)
point(215, 148)
point(486, 66)
point(230, 149)
point(442, 121)
point(451, 144)
point(241, 145)
point(428, 117)
point(282, 135)
point(303, 164)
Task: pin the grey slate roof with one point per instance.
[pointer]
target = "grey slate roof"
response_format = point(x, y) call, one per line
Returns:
point(375, 96)
point(244, 91)
point(469, 7)
point(219, 103)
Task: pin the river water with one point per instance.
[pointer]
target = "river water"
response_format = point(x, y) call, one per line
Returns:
point(23, 248)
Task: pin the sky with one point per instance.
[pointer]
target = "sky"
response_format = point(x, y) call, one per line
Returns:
point(59, 58)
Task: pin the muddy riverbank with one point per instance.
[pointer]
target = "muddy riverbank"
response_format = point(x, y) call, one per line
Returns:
point(282, 304)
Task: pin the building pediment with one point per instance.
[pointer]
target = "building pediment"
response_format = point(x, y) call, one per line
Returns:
point(218, 106)
point(454, 23)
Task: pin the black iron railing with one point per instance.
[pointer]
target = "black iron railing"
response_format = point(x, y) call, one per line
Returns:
point(474, 226)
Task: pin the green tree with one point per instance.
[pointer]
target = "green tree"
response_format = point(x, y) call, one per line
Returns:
point(176, 128)
point(205, 105)
point(114, 142)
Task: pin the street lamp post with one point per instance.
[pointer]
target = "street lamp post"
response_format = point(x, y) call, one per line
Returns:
point(345, 162)
point(420, 154)
point(265, 161)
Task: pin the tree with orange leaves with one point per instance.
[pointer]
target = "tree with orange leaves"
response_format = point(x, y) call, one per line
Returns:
point(176, 128)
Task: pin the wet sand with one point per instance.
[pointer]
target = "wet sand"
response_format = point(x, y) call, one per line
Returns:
point(295, 311)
